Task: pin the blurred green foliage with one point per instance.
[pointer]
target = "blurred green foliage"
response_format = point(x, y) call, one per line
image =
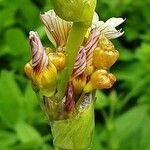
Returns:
point(122, 113)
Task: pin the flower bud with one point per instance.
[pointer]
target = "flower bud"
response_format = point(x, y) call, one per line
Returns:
point(75, 10)
point(58, 59)
point(100, 79)
point(105, 55)
point(46, 80)
point(44, 75)
point(79, 83)
point(28, 70)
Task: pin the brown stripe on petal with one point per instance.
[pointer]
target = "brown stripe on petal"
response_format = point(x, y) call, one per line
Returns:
point(69, 103)
point(91, 44)
point(80, 64)
point(39, 56)
point(90, 53)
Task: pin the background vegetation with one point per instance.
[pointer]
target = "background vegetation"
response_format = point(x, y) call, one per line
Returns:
point(122, 113)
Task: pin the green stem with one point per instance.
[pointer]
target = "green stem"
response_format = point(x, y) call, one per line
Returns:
point(75, 40)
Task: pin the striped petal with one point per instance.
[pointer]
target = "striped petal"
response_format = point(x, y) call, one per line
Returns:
point(39, 56)
point(90, 45)
point(57, 29)
point(80, 64)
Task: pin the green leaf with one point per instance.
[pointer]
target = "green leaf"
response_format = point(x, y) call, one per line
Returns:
point(46, 147)
point(17, 42)
point(28, 15)
point(7, 138)
point(7, 17)
point(30, 101)
point(139, 139)
point(145, 135)
point(101, 100)
point(143, 52)
point(127, 123)
point(98, 138)
point(18, 48)
point(10, 100)
point(27, 134)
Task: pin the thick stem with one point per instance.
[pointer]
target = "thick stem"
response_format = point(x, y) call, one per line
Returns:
point(75, 40)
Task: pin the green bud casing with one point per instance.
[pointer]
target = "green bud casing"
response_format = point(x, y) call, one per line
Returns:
point(75, 10)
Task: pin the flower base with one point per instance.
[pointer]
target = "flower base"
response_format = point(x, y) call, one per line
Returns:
point(75, 133)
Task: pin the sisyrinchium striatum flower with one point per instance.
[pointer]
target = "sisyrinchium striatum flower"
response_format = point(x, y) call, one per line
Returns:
point(67, 78)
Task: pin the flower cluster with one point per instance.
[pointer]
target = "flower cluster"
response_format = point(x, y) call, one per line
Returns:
point(95, 56)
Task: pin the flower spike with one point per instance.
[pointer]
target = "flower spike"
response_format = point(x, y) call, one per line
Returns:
point(68, 78)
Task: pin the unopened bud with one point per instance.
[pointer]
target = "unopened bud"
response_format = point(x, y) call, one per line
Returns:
point(79, 83)
point(101, 79)
point(75, 10)
point(44, 76)
point(28, 70)
point(58, 59)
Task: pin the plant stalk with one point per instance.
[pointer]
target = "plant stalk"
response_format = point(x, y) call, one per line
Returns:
point(75, 40)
